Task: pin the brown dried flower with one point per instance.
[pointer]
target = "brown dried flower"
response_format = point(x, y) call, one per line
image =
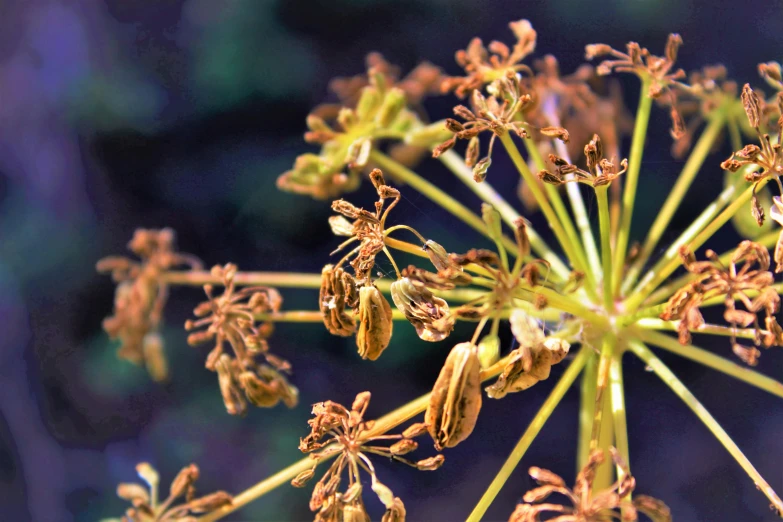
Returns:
point(483, 66)
point(456, 397)
point(586, 504)
point(600, 172)
point(747, 273)
point(232, 319)
point(658, 69)
point(532, 361)
point(146, 507)
point(337, 431)
point(768, 157)
point(141, 296)
point(338, 291)
point(497, 114)
point(368, 227)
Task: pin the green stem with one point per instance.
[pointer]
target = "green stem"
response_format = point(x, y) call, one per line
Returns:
point(708, 222)
point(607, 352)
point(586, 410)
point(690, 169)
point(488, 194)
point(606, 249)
point(709, 329)
point(671, 380)
point(632, 179)
point(617, 396)
point(549, 212)
point(398, 171)
point(530, 434)
point(713, 361)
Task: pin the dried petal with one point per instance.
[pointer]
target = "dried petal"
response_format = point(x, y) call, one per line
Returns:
point(427, 313)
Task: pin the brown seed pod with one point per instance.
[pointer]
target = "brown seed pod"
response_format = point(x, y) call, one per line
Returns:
point(514, 377)
point(375, 323)
point(456, 398)
point(337, 292)
point(428, 314)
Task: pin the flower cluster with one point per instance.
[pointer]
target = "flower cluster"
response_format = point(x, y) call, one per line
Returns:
point(231, 319)
point(141, 297)
point(378, 108)
point(601, 171)
point(343, 434)
point(147, 507)
point(588, 505)
point(746, 275)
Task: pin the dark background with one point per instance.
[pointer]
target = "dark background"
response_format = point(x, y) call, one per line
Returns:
point(182, 113)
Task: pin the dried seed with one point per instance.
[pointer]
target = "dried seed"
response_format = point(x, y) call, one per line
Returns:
point(456, 398)
point(375, 323)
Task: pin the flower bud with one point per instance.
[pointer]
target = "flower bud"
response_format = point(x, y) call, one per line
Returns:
point(456, 398)
point(375, 323)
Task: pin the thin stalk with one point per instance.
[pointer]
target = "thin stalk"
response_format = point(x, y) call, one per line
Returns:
point(398, 171)
point(682, 391)
point(564, 303)
point(709, 329)
point(606, 249)
point(484, 190)
point(632, 180)
point(530, 434)
point(276, 279)
point(549, 212)
point(708, 222)
point(586, 410)
point(560, 209)
point(549, 107)
point(709, 359)
point(617, 397)
point(382, 425)
point(690, 169)
point(607, 351)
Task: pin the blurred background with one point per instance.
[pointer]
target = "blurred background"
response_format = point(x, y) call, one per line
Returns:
point(116, 114)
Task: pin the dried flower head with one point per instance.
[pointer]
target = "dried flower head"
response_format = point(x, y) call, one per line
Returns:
point(588, 505)
point(746, 280)
point(483, 66)
point(601, 171)
point(767, 157)
point(232, 319)
point(497, 114)
point(336, 431)
point(141, 296)
point(147, 508)
point(368, 228)
point(658, 70)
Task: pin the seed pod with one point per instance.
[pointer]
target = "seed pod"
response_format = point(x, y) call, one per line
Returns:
point(491, 218)
point(233, 397)
point(395, 512)
point(155, 357)
point(336, 289)
point(375, 323)
point(752, 105)
point(427, 313)
point(439, 257)
point(481, 168)
point(514, 377)
point(303, 478)
point(393, 103)
point(456, 398)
